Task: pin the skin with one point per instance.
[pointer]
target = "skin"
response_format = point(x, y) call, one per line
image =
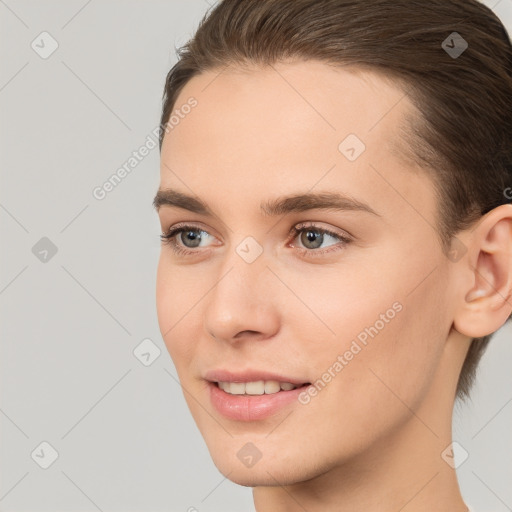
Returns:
point(372, 439)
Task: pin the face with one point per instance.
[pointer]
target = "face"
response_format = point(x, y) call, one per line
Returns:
point(307, 258)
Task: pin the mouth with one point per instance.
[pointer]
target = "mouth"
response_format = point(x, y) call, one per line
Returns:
point(257, 387)
point(252, 395)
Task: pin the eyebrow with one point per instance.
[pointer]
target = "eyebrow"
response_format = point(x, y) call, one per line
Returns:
point(274, 207)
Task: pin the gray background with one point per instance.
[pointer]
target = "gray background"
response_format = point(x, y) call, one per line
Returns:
point(70, 324)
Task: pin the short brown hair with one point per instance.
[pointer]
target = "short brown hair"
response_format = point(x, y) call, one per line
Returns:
point(463, 131)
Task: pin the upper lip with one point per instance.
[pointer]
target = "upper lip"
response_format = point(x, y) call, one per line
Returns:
point(249, 376)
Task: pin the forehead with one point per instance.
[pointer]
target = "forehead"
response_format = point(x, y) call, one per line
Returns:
point(286, 124)
point(285, 108)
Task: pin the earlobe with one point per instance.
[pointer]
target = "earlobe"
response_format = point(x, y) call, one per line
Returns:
point(486, 303)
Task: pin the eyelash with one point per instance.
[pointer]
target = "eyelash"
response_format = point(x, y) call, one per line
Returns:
point(169, 238)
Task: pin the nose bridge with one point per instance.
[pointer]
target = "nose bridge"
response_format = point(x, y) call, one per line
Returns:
point(240, 299)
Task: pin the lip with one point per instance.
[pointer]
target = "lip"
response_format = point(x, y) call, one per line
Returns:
point(252, 407)
point(249, 376)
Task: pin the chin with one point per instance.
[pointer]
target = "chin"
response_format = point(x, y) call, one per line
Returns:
point(247, 478)
point(262, 476)
point(274, 470)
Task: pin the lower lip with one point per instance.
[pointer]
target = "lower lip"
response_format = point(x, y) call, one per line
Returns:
point(251, 407)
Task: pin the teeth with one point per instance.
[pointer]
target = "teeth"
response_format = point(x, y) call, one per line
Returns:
point(258, 387)
point(253, 388)
point(272, 386)
point(236, 388)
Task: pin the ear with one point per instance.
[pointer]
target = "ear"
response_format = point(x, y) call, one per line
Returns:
point(486, 299)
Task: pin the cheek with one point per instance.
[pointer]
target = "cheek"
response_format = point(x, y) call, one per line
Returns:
point(165, 298)
point(176, 296)
point(412, 358)
point(386, 346)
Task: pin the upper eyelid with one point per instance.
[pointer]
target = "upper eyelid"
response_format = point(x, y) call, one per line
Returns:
point(185, 225)
point(314, 224)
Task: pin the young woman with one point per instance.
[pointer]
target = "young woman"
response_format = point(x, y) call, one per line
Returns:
point(337, 241)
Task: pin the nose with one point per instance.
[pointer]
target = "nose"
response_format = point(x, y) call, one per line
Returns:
point(243, 304)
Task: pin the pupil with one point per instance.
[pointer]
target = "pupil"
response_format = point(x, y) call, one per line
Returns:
point(193, 237)
point(311, 238)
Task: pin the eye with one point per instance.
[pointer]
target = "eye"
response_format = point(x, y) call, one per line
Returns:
point(312, 237)
point(190, 238)
point(185, 239)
